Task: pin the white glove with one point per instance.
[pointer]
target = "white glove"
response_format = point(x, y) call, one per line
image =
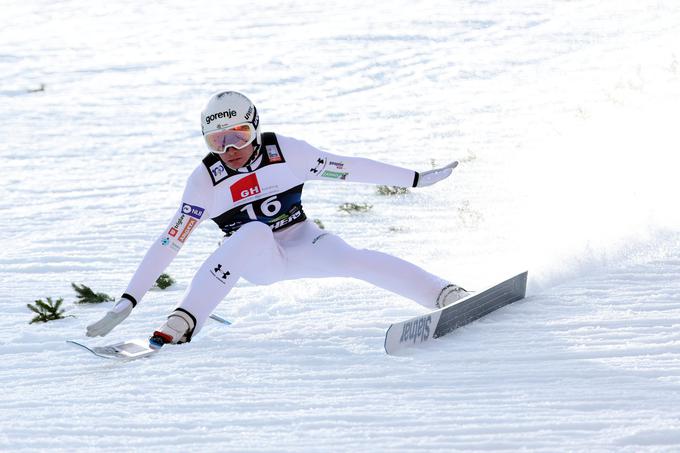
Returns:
point(427, 178)
point(111, 319)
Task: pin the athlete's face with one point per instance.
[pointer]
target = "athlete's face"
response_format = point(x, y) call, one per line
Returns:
point(237, 158)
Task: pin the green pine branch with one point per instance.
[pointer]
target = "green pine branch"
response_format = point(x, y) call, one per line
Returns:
point(164, 281)
point(85, 295)
point(46, 311)
point(354, 207)
point(392, 190)
point(320, 224)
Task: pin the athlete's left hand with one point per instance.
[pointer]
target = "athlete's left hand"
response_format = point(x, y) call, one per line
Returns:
point(111, 319)
point(427, 178)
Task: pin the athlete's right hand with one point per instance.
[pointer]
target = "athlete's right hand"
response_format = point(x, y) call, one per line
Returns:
point(427, 178)
point(111, 319)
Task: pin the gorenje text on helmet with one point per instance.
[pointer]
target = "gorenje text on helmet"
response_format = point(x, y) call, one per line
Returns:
point(225, 114)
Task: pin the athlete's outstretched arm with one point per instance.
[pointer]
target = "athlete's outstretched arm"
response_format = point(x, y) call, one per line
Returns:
point(311, 163)
point(191, 212)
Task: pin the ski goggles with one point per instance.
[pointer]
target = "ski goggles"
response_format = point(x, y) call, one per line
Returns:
point(238, 137)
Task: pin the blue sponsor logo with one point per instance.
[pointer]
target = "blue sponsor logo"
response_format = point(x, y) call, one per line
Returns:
point(217, 169)
point(193, 211)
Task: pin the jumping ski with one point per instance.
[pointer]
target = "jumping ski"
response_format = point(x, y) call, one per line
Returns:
point(130, 349)
point(419, 330)
point(126, 350)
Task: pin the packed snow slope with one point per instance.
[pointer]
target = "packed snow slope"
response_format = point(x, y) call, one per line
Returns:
point(564, 116)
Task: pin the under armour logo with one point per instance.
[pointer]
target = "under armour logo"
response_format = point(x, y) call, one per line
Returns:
point(219, 269)
point(219, 274)
point(320, 163)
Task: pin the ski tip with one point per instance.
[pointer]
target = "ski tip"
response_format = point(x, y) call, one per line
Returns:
point(387, 336)
point(220, 319)
point(77, 344)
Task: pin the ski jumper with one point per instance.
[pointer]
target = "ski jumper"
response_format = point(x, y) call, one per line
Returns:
point(269, 237)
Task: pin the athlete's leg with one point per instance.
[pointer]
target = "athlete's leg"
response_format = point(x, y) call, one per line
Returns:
point(316, 253)
point(246, 249)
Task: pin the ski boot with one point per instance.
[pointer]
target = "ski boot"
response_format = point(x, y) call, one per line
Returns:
point(450, 294)
point(176, 330)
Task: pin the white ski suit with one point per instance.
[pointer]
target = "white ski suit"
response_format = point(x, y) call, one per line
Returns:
point(269, 237)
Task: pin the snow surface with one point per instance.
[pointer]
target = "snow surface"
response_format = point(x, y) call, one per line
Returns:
point(564, 115)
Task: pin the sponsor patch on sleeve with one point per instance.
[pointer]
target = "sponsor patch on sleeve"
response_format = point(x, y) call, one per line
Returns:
point(168, 242)
point(191, 223)
point(182, 226)
point(334, 174)
point(193, 211)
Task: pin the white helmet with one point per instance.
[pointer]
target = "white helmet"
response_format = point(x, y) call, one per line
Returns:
point(227, 109)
